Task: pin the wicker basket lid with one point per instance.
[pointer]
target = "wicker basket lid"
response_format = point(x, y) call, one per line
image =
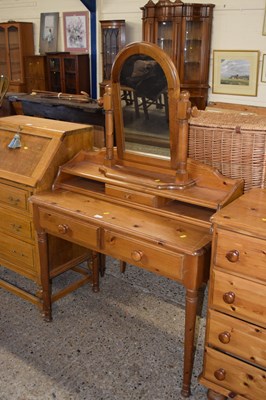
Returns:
point(233, 120)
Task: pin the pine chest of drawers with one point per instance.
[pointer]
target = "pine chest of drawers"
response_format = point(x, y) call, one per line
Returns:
point(235, 348)
point(26, 168)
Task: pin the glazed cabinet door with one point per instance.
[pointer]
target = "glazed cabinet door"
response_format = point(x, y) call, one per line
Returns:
point(70, 75)
point(14, 53)
point(167, 35)
point(16, 41)
point(113, 34)
point(55, 73)
point(4, 66)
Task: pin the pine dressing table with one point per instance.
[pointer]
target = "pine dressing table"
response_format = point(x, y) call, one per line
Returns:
point(150, 208)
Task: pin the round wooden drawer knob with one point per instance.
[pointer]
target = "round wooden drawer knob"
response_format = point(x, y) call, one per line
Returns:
point(62, 228)
point(136, 255)
point(220, 374)
point(224, 337)
point(232, 256)
point(229, 297)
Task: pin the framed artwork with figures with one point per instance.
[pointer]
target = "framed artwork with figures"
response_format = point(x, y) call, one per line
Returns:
point(76, 31)
point(48, 32)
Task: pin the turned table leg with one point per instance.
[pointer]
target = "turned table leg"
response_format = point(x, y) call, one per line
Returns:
point(190, 322)
point(211, 395)
point(45, 278)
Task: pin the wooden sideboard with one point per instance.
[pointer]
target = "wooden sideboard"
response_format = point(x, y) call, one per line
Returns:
point(235, 358)
point(24, 170)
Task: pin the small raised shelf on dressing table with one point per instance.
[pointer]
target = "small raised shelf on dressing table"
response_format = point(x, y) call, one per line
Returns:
point(145, 210)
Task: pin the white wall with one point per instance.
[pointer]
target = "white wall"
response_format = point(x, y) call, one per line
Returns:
point(237, 25)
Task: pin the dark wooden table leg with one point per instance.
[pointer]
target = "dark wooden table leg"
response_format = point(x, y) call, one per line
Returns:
point(95, 264)
point(102, 264)
point(190, 322)
point(45, 278)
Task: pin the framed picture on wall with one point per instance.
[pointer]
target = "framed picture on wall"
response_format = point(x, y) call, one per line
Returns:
point(263, 68)
point(235, 72)
point(76, 31)
point(264, 23)
point(48, 32)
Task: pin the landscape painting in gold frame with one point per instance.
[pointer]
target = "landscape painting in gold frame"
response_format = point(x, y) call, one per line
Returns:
point(263, 69)
point(235, 72)
point(264, 23)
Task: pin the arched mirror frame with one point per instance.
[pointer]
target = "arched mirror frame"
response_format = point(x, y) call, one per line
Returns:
point(178, 137)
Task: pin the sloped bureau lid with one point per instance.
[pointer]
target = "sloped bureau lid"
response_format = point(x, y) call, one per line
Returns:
point(39, 140)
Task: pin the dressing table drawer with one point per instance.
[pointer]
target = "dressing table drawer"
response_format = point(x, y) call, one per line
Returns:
point(239, 297)
point(70, 229)
point(234, 375)
point(238, 253)
point(150, 257)
point(237, 337)
point(132, 196)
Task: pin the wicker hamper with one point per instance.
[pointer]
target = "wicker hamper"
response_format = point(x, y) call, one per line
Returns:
point(234, 143)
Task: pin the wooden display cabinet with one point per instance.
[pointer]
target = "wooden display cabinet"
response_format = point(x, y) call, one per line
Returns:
point(36, 73)
point(183, 31)
point(234, 362)
point(25, 170)
point(68, 73)
point(16, 41)
point(113, 40)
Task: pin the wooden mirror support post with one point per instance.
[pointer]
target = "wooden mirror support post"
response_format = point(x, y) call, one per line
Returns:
point(184, 109)
point(109, 125)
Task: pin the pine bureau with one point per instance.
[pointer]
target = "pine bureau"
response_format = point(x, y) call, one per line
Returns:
point(27, 167)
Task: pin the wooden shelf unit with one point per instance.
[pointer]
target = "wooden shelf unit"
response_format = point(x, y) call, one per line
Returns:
point(68, 73)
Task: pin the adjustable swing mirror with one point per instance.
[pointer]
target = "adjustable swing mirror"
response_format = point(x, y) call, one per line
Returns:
point(144, 104)
point(150, 121)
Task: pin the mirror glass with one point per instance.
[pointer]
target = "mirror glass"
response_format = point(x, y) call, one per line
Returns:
point(144, 105)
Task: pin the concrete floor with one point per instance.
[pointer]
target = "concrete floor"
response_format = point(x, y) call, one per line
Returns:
point(123, 343)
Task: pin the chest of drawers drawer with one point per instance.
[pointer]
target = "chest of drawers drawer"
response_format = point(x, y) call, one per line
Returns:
point(237, 337)
point(150, 257)
point(15, 224)
point(239, 297)
point(234, 375)
point(14, 197)
point(241, 254)
point(18, 252)
point(78, 232)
